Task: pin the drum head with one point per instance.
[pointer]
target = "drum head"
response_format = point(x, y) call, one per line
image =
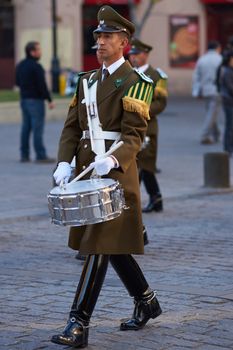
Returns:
point(82, 186)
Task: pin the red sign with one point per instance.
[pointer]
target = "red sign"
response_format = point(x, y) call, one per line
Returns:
point(217, 1)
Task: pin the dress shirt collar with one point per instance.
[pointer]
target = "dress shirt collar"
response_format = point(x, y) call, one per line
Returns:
point(143, 68)
point(111, 69)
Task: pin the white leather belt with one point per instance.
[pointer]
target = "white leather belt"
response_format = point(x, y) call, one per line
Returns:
point(106, 135)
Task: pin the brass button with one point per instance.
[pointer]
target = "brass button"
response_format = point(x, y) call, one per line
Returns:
point(84, 167)
point(85, 146)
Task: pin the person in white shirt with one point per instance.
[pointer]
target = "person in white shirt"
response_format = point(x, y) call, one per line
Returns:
point(204, 86)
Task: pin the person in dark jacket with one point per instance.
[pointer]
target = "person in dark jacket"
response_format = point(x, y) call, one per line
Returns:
point(226, 92)
point(225, 59)
point(30, 77)
point(138, 56)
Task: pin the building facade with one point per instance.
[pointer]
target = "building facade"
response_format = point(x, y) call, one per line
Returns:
point(178, 30)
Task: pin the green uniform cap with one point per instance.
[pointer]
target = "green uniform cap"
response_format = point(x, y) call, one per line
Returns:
point(111, 21)
point(138, 46)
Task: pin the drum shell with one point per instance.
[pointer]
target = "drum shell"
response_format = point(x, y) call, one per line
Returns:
point(88, 206)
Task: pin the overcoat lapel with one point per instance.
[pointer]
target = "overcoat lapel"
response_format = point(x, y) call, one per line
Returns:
point(94, 77)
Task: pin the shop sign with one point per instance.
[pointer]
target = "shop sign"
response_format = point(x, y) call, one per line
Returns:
point(183, 40)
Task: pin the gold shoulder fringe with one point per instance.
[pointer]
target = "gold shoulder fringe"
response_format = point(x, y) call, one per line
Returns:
point(133, 105)
point(159, 91)
point(74, 101)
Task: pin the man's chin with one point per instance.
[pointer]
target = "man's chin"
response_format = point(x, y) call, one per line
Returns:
point(102, 54)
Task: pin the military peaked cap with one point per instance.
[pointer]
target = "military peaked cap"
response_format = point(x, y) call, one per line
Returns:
point(111, 21)
point(138, 46)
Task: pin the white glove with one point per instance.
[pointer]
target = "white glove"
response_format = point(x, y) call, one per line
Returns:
point(103, 166)
point(62, 173)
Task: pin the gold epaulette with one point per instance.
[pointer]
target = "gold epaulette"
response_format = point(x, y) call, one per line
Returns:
point(161, 84)
point(160, 91)
point(138, 98)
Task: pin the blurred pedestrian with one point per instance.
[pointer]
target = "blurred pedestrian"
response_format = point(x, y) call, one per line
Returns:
point(225, 59)
point(121, 116)
point(30, 77)
point(204, 86)
point(226, 91)
point(147, 157)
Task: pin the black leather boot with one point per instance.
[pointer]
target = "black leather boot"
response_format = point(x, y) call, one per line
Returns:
point(81, 257)
point(146, 307)
point(155, 204)
point(130, 273)
point(146, 303)
point(76, 331)
point(75, 334)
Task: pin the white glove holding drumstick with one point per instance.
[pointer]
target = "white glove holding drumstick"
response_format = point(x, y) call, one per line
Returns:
point(102, 166)
point(104, 157)
point(62, 173)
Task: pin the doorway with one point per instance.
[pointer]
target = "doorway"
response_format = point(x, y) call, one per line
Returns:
point(7, 44)
point(219, 22)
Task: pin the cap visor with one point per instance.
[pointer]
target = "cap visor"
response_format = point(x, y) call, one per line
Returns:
point(106, 29)
point(134, 52)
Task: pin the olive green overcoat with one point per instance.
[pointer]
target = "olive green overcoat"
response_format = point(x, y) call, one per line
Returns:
point(147, 157)
point(122, 235)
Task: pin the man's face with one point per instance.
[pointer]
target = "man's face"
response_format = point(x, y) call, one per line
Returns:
point(110, 47)
point(99, 57)
point(36, 53)
point(139, 59)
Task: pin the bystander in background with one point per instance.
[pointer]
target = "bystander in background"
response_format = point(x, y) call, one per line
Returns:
point(147, 157)
point(204, 86)
point(226, 91)
point(30, 77)
point(225, 56)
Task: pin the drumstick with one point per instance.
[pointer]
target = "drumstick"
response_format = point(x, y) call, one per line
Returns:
point(91, 166)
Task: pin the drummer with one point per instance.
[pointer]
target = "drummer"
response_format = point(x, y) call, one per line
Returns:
point(123, 102)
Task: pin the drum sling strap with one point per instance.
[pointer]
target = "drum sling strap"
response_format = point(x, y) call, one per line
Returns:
point(99, 136)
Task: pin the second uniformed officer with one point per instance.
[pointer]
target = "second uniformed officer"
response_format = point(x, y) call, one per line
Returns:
point(138, 56)
point(123, 101)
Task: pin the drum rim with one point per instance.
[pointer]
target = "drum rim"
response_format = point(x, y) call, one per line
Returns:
point(57, 191)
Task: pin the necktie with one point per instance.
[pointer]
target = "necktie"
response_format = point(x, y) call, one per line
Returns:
point(105, 74)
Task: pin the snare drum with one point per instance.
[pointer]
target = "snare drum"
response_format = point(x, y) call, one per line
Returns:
point(86, 202)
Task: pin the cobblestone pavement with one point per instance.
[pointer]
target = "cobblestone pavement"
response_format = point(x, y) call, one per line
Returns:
point(188, 260)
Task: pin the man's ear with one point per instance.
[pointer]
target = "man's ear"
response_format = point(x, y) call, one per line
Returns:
point(125, 42)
